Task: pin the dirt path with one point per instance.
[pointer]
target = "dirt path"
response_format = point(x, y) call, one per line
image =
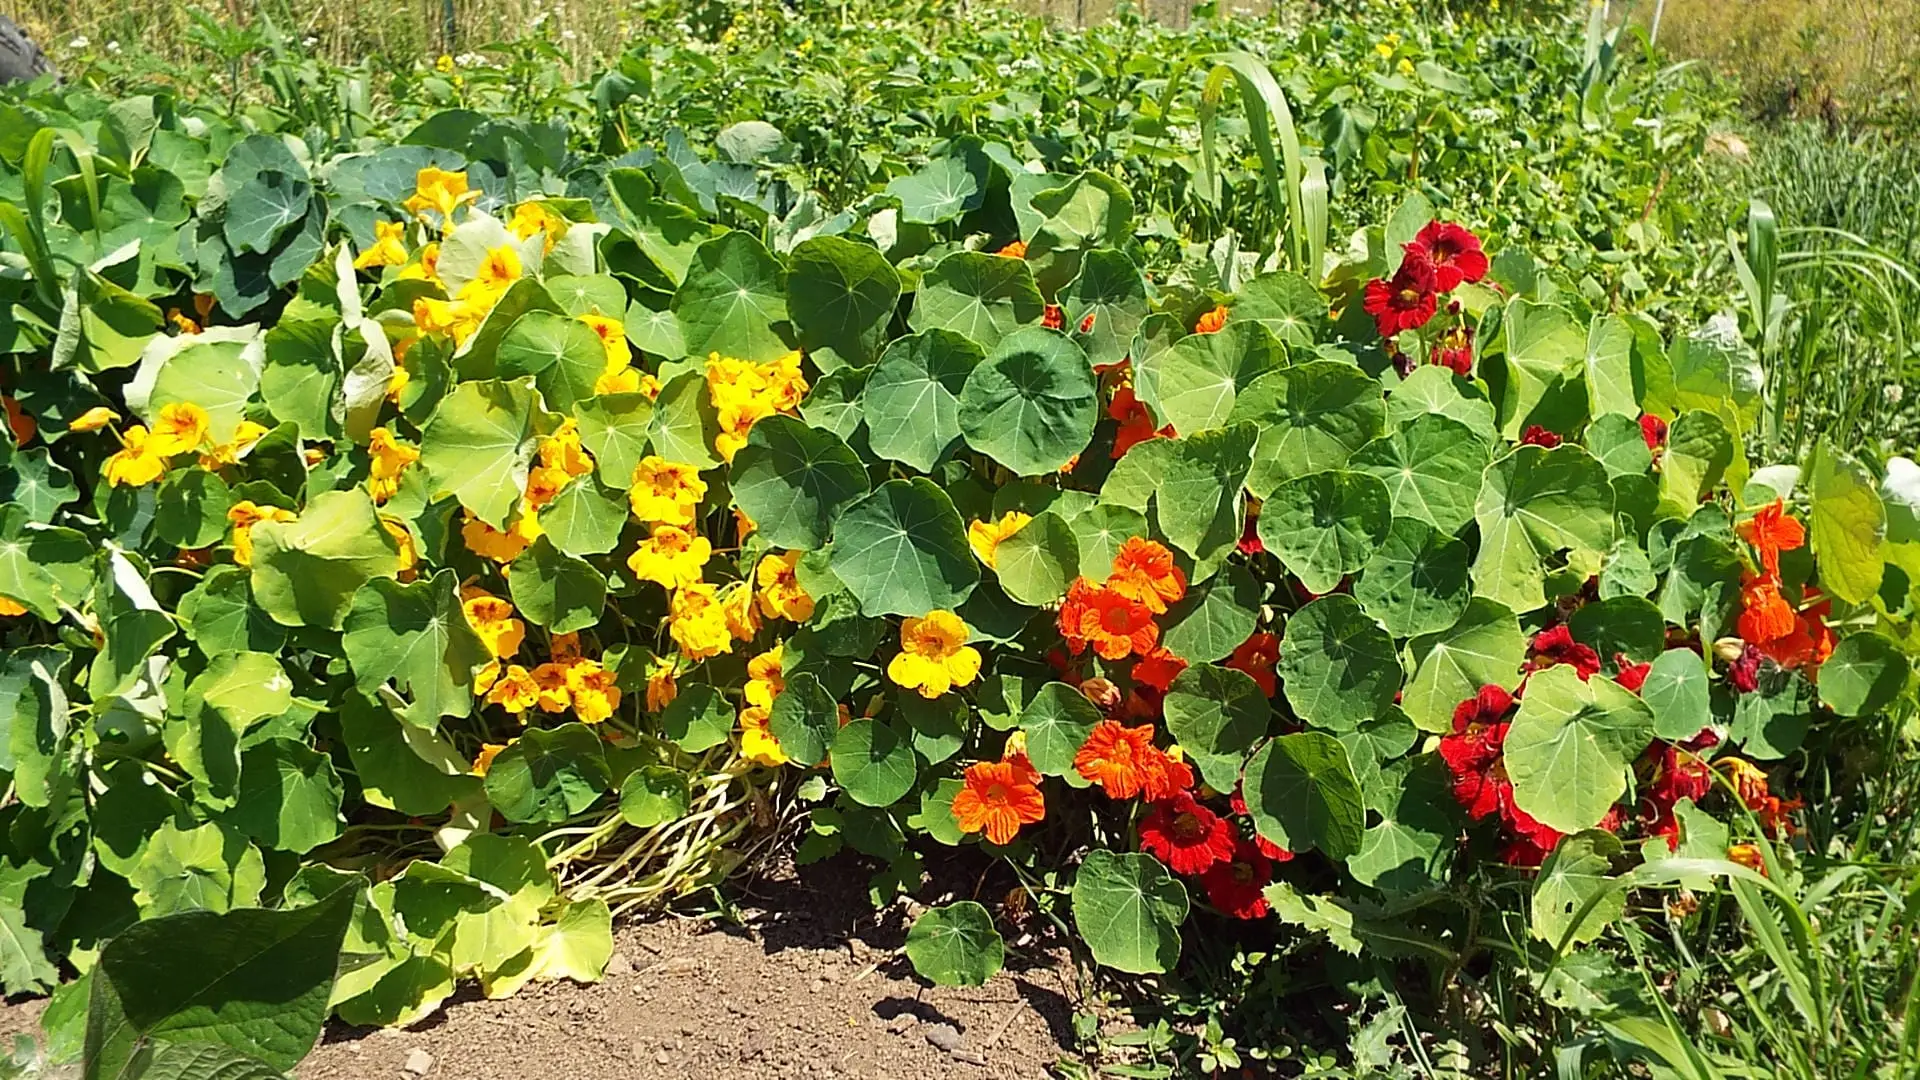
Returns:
point(810, 987)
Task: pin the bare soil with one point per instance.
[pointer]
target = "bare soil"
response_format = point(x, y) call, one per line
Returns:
point(809, 984)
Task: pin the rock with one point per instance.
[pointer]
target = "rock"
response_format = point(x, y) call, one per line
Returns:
point(943, 1037)
point(419, 1062)
point(619, 965)
point(663, 1058)
point(899, 1024)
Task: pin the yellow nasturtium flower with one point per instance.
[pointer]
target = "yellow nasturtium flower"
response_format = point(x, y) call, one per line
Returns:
point(661, 685)
point(781, 596)
point(495, 275)
point(934, 655)
point(502, 547)
point(514, 690)
point(595, 691)
point(389, 247)
point(439, 191)
point(736, 602)
point(9, 608)
point(766, 677)
point(425, 268)
point(985, 537)
point(666, 491)
point(488, 751)
point(757, 743)
point(137, 462)
point(94, 419)
point(245, 434)
point(551, 679)
point(671, 558)
point(180, 426)
point(613, 340)
point(390, 458)
point(244, 515)
point(537, 217)
point(699, 624)
point(493, 619)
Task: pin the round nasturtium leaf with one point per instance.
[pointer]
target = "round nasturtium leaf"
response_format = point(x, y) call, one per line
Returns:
point(1579, 870)
point(1338, 667)
point(1312, 417)
point(1863, 676)
point(289, 796)
point(480, 442)
point(1569, 747)
point(1128, 909)
point(873, 763)
point(1217, 714)
point(841, 295)
point(1433, 389)
point(1679, 693)
point(1533, 504)
point(1624, 625)
point(1032, 403)
point(698, 718)
point(980, 296)
point(793, 479)
point(734, 300)
point(912, 399)
point(613, 428)
point(1214, 618)
point(306, 571)
point(191, 510)
point(563, 354)
point(1326, 525)
point(1484, 648)
point(1194, 384)
point(1301, 793)
point(955, 945)
point(1846, 523)
point(654, 795)
point(1618, 444)
point(416, 636)
point(1416, 582)
point(1407, 851)
point(1431, 467)
point(1036, 564)
point(556, 590)
point(804, 718)
point(1699, 449)
point(1057, 722)
point(1110, 291)
point(1103, 530)
point(902, 550)
point(548, 775)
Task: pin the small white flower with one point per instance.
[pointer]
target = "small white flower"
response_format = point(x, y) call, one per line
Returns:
point(567, 35)
point(1650, 122)
point(113, 48)
point(1483, 115)
point(1895, 393)
point(78, 43)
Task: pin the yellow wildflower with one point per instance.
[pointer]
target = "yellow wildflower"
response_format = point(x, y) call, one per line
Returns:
point(136, 462)
point(757, 743)
point(245, 434)
point(439, 191)
point(985, 537)
point(555, 695)
point(671, 557)
point(244, 515)
point(934, 655)
point(594, 690)
point(562, 450)
point(389, 246)
point(492, 618)
point(502, 547)
point(181, 426)
point(390, 458)
point(9, 608)
point(425, 268)
point(536, 217)
point(497, 272)
point(736, 601)
point(514, 690)
point(94, 419)
point(182, 323)
point(666, 491)
point(781, 596)
point(613, 338)
point(699, 624)
point(766, 677)
point(488, 751)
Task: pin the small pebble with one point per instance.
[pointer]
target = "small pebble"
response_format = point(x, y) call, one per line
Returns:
point(663, 1058)
point(619, 965)
point(419, 1062)
point(943, 1037)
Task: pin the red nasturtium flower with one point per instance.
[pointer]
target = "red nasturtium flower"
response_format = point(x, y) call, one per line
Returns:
point(1185, 835)
point(1256, 656)
point(1158, 669)
point(1237, 885)
point(1631, 675)
point(1407, 301)
point(998, 797)
point(1751, 784)
point(1144, 571)
point(1556, 646)
point(1744, 673)
point(1212, 321)
point(1678, 773)
point(1771, 532)
point(1125, 763)
point(1052, 317)
point(1472, 751)
point(1250, 542)
point(1654, 431)
point(1454, 351)
point(1136, 423)
point(1265, 846)
point(1453, 252)
point(1535, 435)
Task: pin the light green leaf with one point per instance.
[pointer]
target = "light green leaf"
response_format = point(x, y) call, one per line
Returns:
point(1326, 525)
point(1338, 667)
point(1431, 466)
point(1196, 496)
point(548, 775)
point(1214, 618)
point(1216, 714)
point(912, 398)
point(1568, 749)
point(873, 762)
point(614, 429)
point(1057, 722)
point(1416, 581)
point(955, 945)
point(794, 480)
point(1864, 675)
point(556, 590)
point(289, 797)
point(1128, 909)
point(1678, 694)
point(804, 718)
point(653, 796)
point(1847, 526)
point(1311, 416)
point(1195, 384)
point(1699, 449)
point(1036, 564)
point(480, 443)
point(734, 301)
point(1545, 367)
point(841, 295)
point(1485, 648)
point(983, 297)
point(1535, 503)
point(903, 551)
point(698, 718)
point(564, 355)
point(1031, 404)
point(1577, 871)
point(417, 636)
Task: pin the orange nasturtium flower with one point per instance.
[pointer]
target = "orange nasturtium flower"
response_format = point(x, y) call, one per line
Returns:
point(1771, 532)
point(1765, 615)
point(985, 537)
point(671, 557)
point(1116, 626)
point(666, 491)
point(10, 608)
point(502, 547)
point(1143, 571)
point(998, 797)
point(1212, 321)
point(244, 515)
point(488, 751)
point(1015, 250)
point(781, 595)
point(661, 685)
point(137, 462)
point(1125, 763)
point(389, 247)
point(23, 426)
point(698, 622)
point(514, 690)
point(934, 655)
point(555, 693)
